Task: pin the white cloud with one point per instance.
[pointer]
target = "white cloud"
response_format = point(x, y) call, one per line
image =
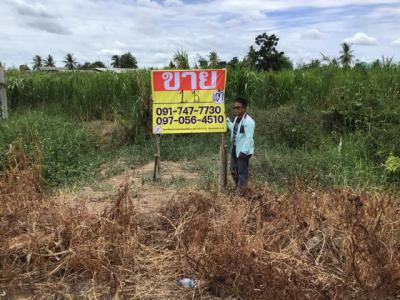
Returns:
point(312, 34)
point(120, 44)
point(148, 3)
point(396, 43)
point(48, 26)
point(154, 29)
point(386, 11)
point(361, 39)
point(31, 9)
point(173, 2)
point(110, 52)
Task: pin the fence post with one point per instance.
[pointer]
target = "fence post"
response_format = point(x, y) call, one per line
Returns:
point(3, 94)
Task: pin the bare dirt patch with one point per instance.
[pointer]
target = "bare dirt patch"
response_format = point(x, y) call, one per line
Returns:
point(149, 196)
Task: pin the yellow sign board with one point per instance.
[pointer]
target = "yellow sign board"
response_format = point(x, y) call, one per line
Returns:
point(188, 101)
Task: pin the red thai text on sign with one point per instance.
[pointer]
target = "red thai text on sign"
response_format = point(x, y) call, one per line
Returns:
point(175, 80)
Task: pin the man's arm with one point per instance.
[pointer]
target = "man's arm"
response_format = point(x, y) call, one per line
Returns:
point(229, 124)
point(249, 133)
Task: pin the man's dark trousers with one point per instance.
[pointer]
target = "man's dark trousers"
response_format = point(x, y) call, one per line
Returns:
point(240, 169)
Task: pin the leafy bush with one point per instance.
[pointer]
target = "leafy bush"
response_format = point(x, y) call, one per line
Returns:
point(393, 163)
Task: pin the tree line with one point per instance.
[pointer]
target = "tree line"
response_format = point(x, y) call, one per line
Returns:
point(263, 55)
point(126, 60)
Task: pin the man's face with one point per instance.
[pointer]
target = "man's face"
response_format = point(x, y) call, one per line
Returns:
point(238, 109)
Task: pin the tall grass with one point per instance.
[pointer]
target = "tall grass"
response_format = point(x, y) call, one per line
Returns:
point(84, 95)
point(306, 112)
point(89, 95)
point(322, 87)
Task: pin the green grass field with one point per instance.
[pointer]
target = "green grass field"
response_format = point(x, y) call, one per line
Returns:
point(325, 126)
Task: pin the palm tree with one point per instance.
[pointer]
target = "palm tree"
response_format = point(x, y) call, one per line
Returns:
point(325, 58)
point(331, 61)
point(171, 65)
point(387, 62)
point(37, 62)
point(234, 62)
point(347, 55)
point(116, 61)
point(70, 61)
point(335, 62)
point(181, 59)
point(49, 61)
point(22, 68)
point(203, 63)
point(128, 61)
point(251, 58)
point(214, 60)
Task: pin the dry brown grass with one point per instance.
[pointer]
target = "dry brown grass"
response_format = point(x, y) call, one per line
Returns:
point(309, 244)
point(53, 249)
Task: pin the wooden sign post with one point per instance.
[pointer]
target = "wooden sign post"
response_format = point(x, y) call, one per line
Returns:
point(223, 175)
point(3, 94)
point(157, 168)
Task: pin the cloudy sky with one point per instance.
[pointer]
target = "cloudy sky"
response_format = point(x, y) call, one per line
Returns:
point(154, 29)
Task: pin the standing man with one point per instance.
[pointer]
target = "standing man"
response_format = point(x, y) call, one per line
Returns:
point(242, 132)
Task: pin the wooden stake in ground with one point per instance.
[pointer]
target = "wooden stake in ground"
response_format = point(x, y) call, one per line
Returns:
point(157, 168)
point(223, 178)
point(3, 95)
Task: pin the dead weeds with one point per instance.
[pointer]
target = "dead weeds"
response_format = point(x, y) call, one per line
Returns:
point(310, 244)
point(57, 249)
point(313, 244)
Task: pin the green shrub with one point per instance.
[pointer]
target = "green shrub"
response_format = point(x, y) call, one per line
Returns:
point(393, 164)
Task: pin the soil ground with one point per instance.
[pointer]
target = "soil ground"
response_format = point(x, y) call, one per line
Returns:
point(149, 196)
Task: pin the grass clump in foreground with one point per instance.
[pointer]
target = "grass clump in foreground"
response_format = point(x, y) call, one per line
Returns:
point(310, 244)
